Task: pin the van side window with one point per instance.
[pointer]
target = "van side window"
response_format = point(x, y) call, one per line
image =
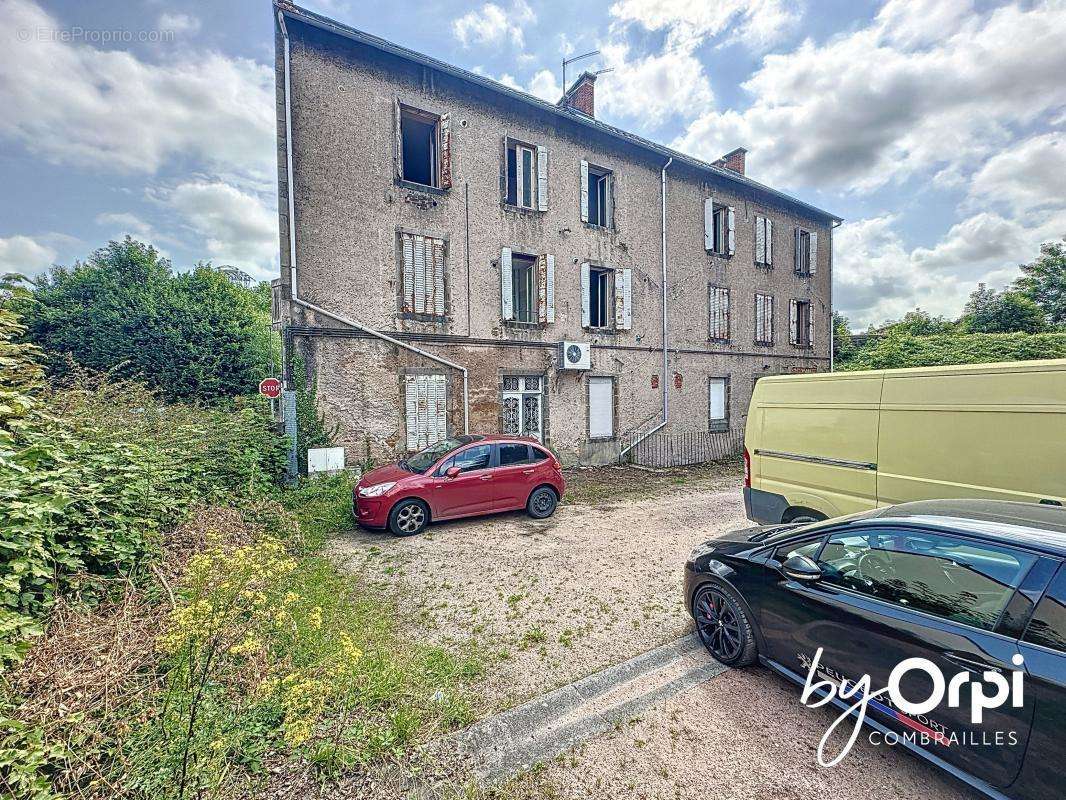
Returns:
point(953, 578)
point(1047, 628)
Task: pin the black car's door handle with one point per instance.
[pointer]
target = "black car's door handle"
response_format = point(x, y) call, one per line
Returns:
point(968, 662)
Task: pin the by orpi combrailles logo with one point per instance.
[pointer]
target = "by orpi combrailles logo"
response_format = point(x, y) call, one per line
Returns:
point(825, 685)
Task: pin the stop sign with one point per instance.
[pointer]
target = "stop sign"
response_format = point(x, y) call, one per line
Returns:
point(271, 387)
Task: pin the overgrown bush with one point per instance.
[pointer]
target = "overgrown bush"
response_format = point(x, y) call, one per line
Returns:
point(896, 350)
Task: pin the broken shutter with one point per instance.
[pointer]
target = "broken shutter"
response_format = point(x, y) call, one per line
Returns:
point(731, 238)
point(708, 224)
point(623, 299)
point(584, 191)
point(398, 141)
point(438, 277)
point(586, 312)
point(813, 265)
point(542, 288)
point(408, 272)
point(419, 287)
point(810, 324)
point(760, 240)
point(769, 242)
point(542, 177)
point(445, 152)
point(426, 406)
point(549, 288)
point(506, 299)
point(423, 274)
point(793, 322)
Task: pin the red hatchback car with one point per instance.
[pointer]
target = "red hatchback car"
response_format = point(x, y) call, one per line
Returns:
point(460, 477)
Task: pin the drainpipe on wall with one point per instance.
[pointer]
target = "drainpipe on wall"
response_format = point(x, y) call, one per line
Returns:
point(292, 257)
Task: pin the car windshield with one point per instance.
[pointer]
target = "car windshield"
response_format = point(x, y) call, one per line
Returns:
point(424, 459)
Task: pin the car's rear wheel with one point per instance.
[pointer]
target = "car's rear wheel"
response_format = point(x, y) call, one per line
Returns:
point(542, 502)
point(408, 517)
point(723, 626)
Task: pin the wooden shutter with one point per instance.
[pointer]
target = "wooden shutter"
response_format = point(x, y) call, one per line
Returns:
point(445, 152)
point(542, 177)
point(586, 311)
point(731, 237)
point(397, 141)
point(420, 274)
point(426, 402)
point(797, 260)
point(768, 322)
point(793, 322)
point(708, 224)
point(549, 288)
point(519, 178)
point(542, 288)
point(810, 324)
point(769, 242)
point(506, 298)
point(813, 265)
point(719, 313)
point(608, 215)
point(760, 240)
point(438, 277)
point(408, 247)
point(584, 191)
point(623, 291)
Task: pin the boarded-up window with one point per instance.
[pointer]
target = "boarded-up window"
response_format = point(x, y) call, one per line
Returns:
point(426, 403)
point(601, 408)
point(423, 274)
point(764, 318)
point(719, 313)
point(718, 404)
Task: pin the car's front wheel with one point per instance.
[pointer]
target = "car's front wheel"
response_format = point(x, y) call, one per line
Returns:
point(723, 626)
point(408, 517)
point(542, 502)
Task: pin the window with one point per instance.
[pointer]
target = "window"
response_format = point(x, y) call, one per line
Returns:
point(718, 405)
point(606, 297)
point(1047, 627)
point(473, 458)
point(764, 319)
point(537, 454)
point(806, 260)
point(422, 284)
point(800, 323)
point(718, 223)
point(601, 408)
point(599, 297)
point(423, 147)
point(527, 287)
point(511, 454)
point(520, 405)
point(597, 192)
point(764, 242)
point(719, 313)
point(521, 175)
point(524, 287)
point(426, 410)
point(956, 579)
point(809, 549)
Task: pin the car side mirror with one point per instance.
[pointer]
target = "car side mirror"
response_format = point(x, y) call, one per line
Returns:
point(452, 472)
point(801, 568)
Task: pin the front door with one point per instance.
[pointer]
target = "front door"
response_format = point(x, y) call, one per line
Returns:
point(522, 400)
point(887, 595)
point(471, 491)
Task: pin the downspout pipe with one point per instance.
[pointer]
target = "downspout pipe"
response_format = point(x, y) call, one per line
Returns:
point(292, 255)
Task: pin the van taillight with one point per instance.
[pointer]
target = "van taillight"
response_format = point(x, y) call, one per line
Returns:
point(747, 468)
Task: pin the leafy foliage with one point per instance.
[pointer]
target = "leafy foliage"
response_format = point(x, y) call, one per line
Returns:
point(190, 336)
point(989, 311)
point(311, 428)
point(897, 351)
point(1044, 281)
point(918, 323)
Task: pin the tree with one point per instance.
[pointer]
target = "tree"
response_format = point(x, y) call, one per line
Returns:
point(920, 323)
point(989, 311)
point(1044, 281)
point(192, 336)
point(843, 346)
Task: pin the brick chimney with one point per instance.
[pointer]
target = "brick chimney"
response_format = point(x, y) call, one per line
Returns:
point(733, 160)
point(581, 96)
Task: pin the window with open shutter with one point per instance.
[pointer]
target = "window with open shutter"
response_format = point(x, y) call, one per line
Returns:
point(793, 322)
point(542, 177)
point(731, 234)
point(422, 274)
point(718, 300)
point(800, 323)
point(426, 407)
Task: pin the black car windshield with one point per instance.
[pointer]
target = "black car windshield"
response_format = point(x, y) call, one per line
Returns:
point(424, 459)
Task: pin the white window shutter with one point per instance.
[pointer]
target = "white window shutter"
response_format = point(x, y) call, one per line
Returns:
point(624, 299)
point(542, 177)
point(770, 318)
point(411, 402)
point(398, 141)
point(760, 240)
point(549, 288)
point(586, 311)
point(769, 242)
point(793, 322)
point(519, 177)
point(445, 152)
point(797, 246)
point(438, 277)
point(420, 274)
point(708, 224)
point(408, 272)
point(542, 288)
point(608, 216)
point(810, 325)
point(731, 236)
point(584, 191)
point(506, 298)
point(814, 254)
point(438, 395)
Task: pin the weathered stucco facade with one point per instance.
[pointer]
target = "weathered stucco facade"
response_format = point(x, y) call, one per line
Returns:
point(351, 209)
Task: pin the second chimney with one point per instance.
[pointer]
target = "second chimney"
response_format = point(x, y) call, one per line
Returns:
point(581, 96)
point(733, 160)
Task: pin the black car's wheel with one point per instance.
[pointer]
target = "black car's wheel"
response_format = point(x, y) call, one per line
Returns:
point(408, 517)
point(542, 502)
point(723, 627)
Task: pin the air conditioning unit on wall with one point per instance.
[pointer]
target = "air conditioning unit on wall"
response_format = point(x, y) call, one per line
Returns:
point(575, 355)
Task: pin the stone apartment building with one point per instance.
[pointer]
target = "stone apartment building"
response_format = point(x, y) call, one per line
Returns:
point(457, 255)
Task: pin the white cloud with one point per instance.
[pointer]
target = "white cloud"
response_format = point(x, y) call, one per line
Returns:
point(925, 88)
point(493, 25)
point(237, 227)
point(757, 24)
point(125, 223)
point(77, 105)
point(653, 88)
point(25, 255)
point(1026, 176)
point(545, 85)
point(179, 23)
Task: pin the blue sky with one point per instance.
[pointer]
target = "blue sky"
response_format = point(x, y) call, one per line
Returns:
point(934, 127)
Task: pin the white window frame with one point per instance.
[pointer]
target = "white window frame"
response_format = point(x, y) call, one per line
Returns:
point(519, 395)
point(719, 424)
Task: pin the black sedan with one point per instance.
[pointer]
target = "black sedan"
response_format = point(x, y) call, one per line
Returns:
point(976, 589)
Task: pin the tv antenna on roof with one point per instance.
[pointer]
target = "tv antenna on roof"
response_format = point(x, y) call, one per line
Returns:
point(589, 54)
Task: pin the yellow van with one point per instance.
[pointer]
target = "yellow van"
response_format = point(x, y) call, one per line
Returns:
point(827, 444)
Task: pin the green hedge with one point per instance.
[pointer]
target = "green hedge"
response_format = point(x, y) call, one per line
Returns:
point(977, 348)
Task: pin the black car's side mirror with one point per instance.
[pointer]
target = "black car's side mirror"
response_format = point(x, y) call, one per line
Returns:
point(801, 568)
